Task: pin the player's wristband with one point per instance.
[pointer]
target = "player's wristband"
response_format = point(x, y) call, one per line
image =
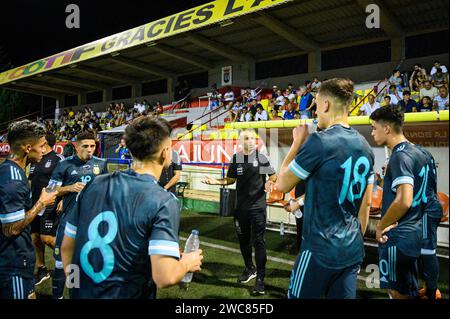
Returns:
point(301, 202)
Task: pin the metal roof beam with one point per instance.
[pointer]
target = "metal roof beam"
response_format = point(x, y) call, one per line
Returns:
point(31, 91)
point(118, 77)
point(184, 56)
point(293, 36)
point(388, 22)
point(218, 48)
point(78, 81)
point(144, 67)
point(55, 87)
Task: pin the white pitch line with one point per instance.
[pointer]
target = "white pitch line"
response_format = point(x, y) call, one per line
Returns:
point(275, 259)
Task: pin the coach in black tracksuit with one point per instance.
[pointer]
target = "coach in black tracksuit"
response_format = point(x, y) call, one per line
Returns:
point(249, 169)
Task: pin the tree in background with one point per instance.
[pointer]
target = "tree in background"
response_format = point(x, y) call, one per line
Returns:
point(13, 104)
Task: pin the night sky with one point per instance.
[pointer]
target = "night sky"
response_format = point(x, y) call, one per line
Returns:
point(30, 30)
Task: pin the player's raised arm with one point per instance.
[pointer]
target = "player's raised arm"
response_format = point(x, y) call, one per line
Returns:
point(291, 171)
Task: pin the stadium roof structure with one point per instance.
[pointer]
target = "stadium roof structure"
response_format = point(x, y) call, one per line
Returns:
point(209, 35)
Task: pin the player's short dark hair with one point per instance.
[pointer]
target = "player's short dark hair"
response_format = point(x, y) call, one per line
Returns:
point(342, 90)
point(24, 131)
point(85, 135)
point(406, 92)
point(144, 136)
point(390, 115)
point(51, 139)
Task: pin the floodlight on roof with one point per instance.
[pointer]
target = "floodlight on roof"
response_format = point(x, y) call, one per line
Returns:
point(151, 44)
point(113, 54)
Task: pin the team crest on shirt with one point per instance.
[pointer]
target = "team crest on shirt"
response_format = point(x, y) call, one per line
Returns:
point(48, 164)
point(96, 170)
point(255, 163)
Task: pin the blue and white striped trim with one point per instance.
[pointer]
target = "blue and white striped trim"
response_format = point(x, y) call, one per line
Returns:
point(424, 251)
point(371, 179)
point(400, 181)
point(12, 217)
point(298, 170)
point(424, 226)
point(70, 230)
point(392, 262)
point(164, 247)
point(17, 286)
point(302, 266)
point(57, 183)
point(15, 174)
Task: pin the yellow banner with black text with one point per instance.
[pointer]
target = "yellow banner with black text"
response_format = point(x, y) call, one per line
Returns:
point(191, 19)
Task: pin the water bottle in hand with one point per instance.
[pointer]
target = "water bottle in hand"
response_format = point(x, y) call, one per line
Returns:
point(51, 187)
point(192, 244)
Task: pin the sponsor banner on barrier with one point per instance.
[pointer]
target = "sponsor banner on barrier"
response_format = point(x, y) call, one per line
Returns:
point(210, 152)
point(195, 18)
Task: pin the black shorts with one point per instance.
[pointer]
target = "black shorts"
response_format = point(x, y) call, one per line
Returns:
point(398, 271)
point(45, 224)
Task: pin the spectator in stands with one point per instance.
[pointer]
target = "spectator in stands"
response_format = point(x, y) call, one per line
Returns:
point(417, 80)
point(139, 107)
point(275, 116)
point(280, 99)
point(158, 108)
point(76, 127)
point(254, 93)
point(272, 106)
point(291, 88)
point(274, 92)
point(407, 105)
point(308, 85)
point(305, 99)
point(396, 80)
point(315, 85)
point(395, 95)
point(246, 116)
point(234, 110)
point(369, 107)
point(253, 107)
point(437, 65)
point(426, 105)
point(229, 95)
point(261, 114)
point(387, 101)
point(290, 114)
point(122, 150)
point(441, 101)
point(439, 79)
point(428, 90)
point(289, 95)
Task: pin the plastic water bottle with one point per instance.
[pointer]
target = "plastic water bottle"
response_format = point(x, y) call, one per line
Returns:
point(192, 244)
point(51, 187)
point(298, 213)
